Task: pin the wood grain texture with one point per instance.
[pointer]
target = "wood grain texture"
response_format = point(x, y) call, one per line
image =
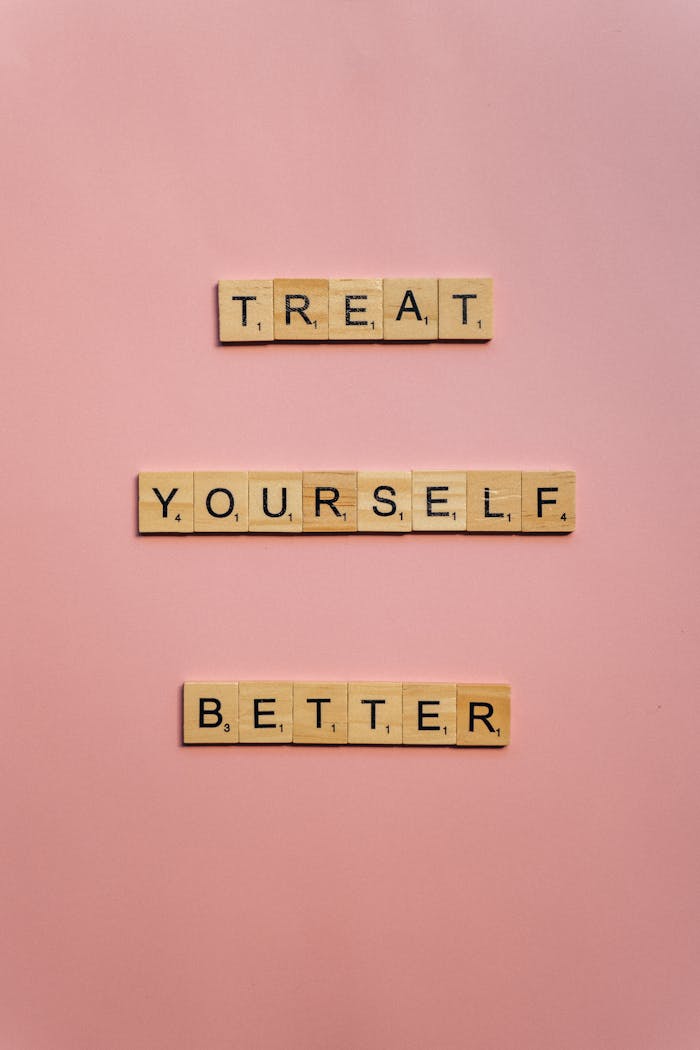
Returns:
point(265, 712)
point(274, 501)
point(430, 713)
point(375, 713)
point(410, 309)
point(493, 500)
point(221, 501)
point(465, 308)
point(301, 309)
point(549, 501)
point(439, 500)
point(320, 712)
point(210, 713)
point(356, 309)
point(483, 715)
point(245, 311)
point(330, 501)
point(166, 501)
point(384, 501)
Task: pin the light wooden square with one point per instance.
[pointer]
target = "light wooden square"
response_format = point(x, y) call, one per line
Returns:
point(493, 500)
point(210, 713)
point(429, 713)
point(265, 712)
point(301, 309)
point(410, 308)
point(221, 501)
point(330, 501)
point(466, 308)
point(541, 487)
point(439, 500)
point(375, 713)
point(384, 501)
point(274, 501)
point(324, 702)
point(166, 501)
point(483, 715)
point(356, 309)
point(245, 312)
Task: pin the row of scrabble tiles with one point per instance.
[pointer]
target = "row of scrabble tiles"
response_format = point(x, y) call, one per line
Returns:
point(318, 310)
point(357, 501)
point(432, 713)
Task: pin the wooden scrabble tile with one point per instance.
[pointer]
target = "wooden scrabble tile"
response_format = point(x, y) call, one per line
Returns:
point(320, 713)
point(483, 715)
point(549, 501)
point(221, 501)
point(439, 500)
point(429, 713)
point(356, 309)
point(210, 713)
point(166, 501)
point(330, 501)
point(384, 501)
point(245, 312)
point(265, 712)
point(410, 308)
point(274, 501)
point(493, 500)
point(466, 307)
point(301, 309)
point(375, 713)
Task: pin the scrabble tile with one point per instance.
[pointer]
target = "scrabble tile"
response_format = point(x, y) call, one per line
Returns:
point(375, 713)
point(549, 501)
point(320, 713)
point(301, 309)
point(356, 309)
point(221, 501)
point(265, 712)
point(466, 307)
point(429, 713)
point(210, 713)
point(439, 500)
point(274, 501)
point(330, 501)
point(245, 312)
point(483, 715)
point(384, 501)
point(493, 500)
point(410, 308)
point(166, 501)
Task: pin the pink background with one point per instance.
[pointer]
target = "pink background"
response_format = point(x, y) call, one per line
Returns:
point(537, 898)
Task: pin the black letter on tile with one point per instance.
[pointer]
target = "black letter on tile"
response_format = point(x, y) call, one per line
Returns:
point(427, 714)
point(383, 499)
point(540, 502)
point(259, 713)
point(289, 309)
point(165, 502)
point(412, 309)
point(224, 513)
point(354, 309)
point(429, 500)
point(373, 724)
point(473, 717)
point(266, 510)
point(464, 305)
point(325, 700)
point(213, 712)
point(244, 300)
point(487, 506)
point(328, 502)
